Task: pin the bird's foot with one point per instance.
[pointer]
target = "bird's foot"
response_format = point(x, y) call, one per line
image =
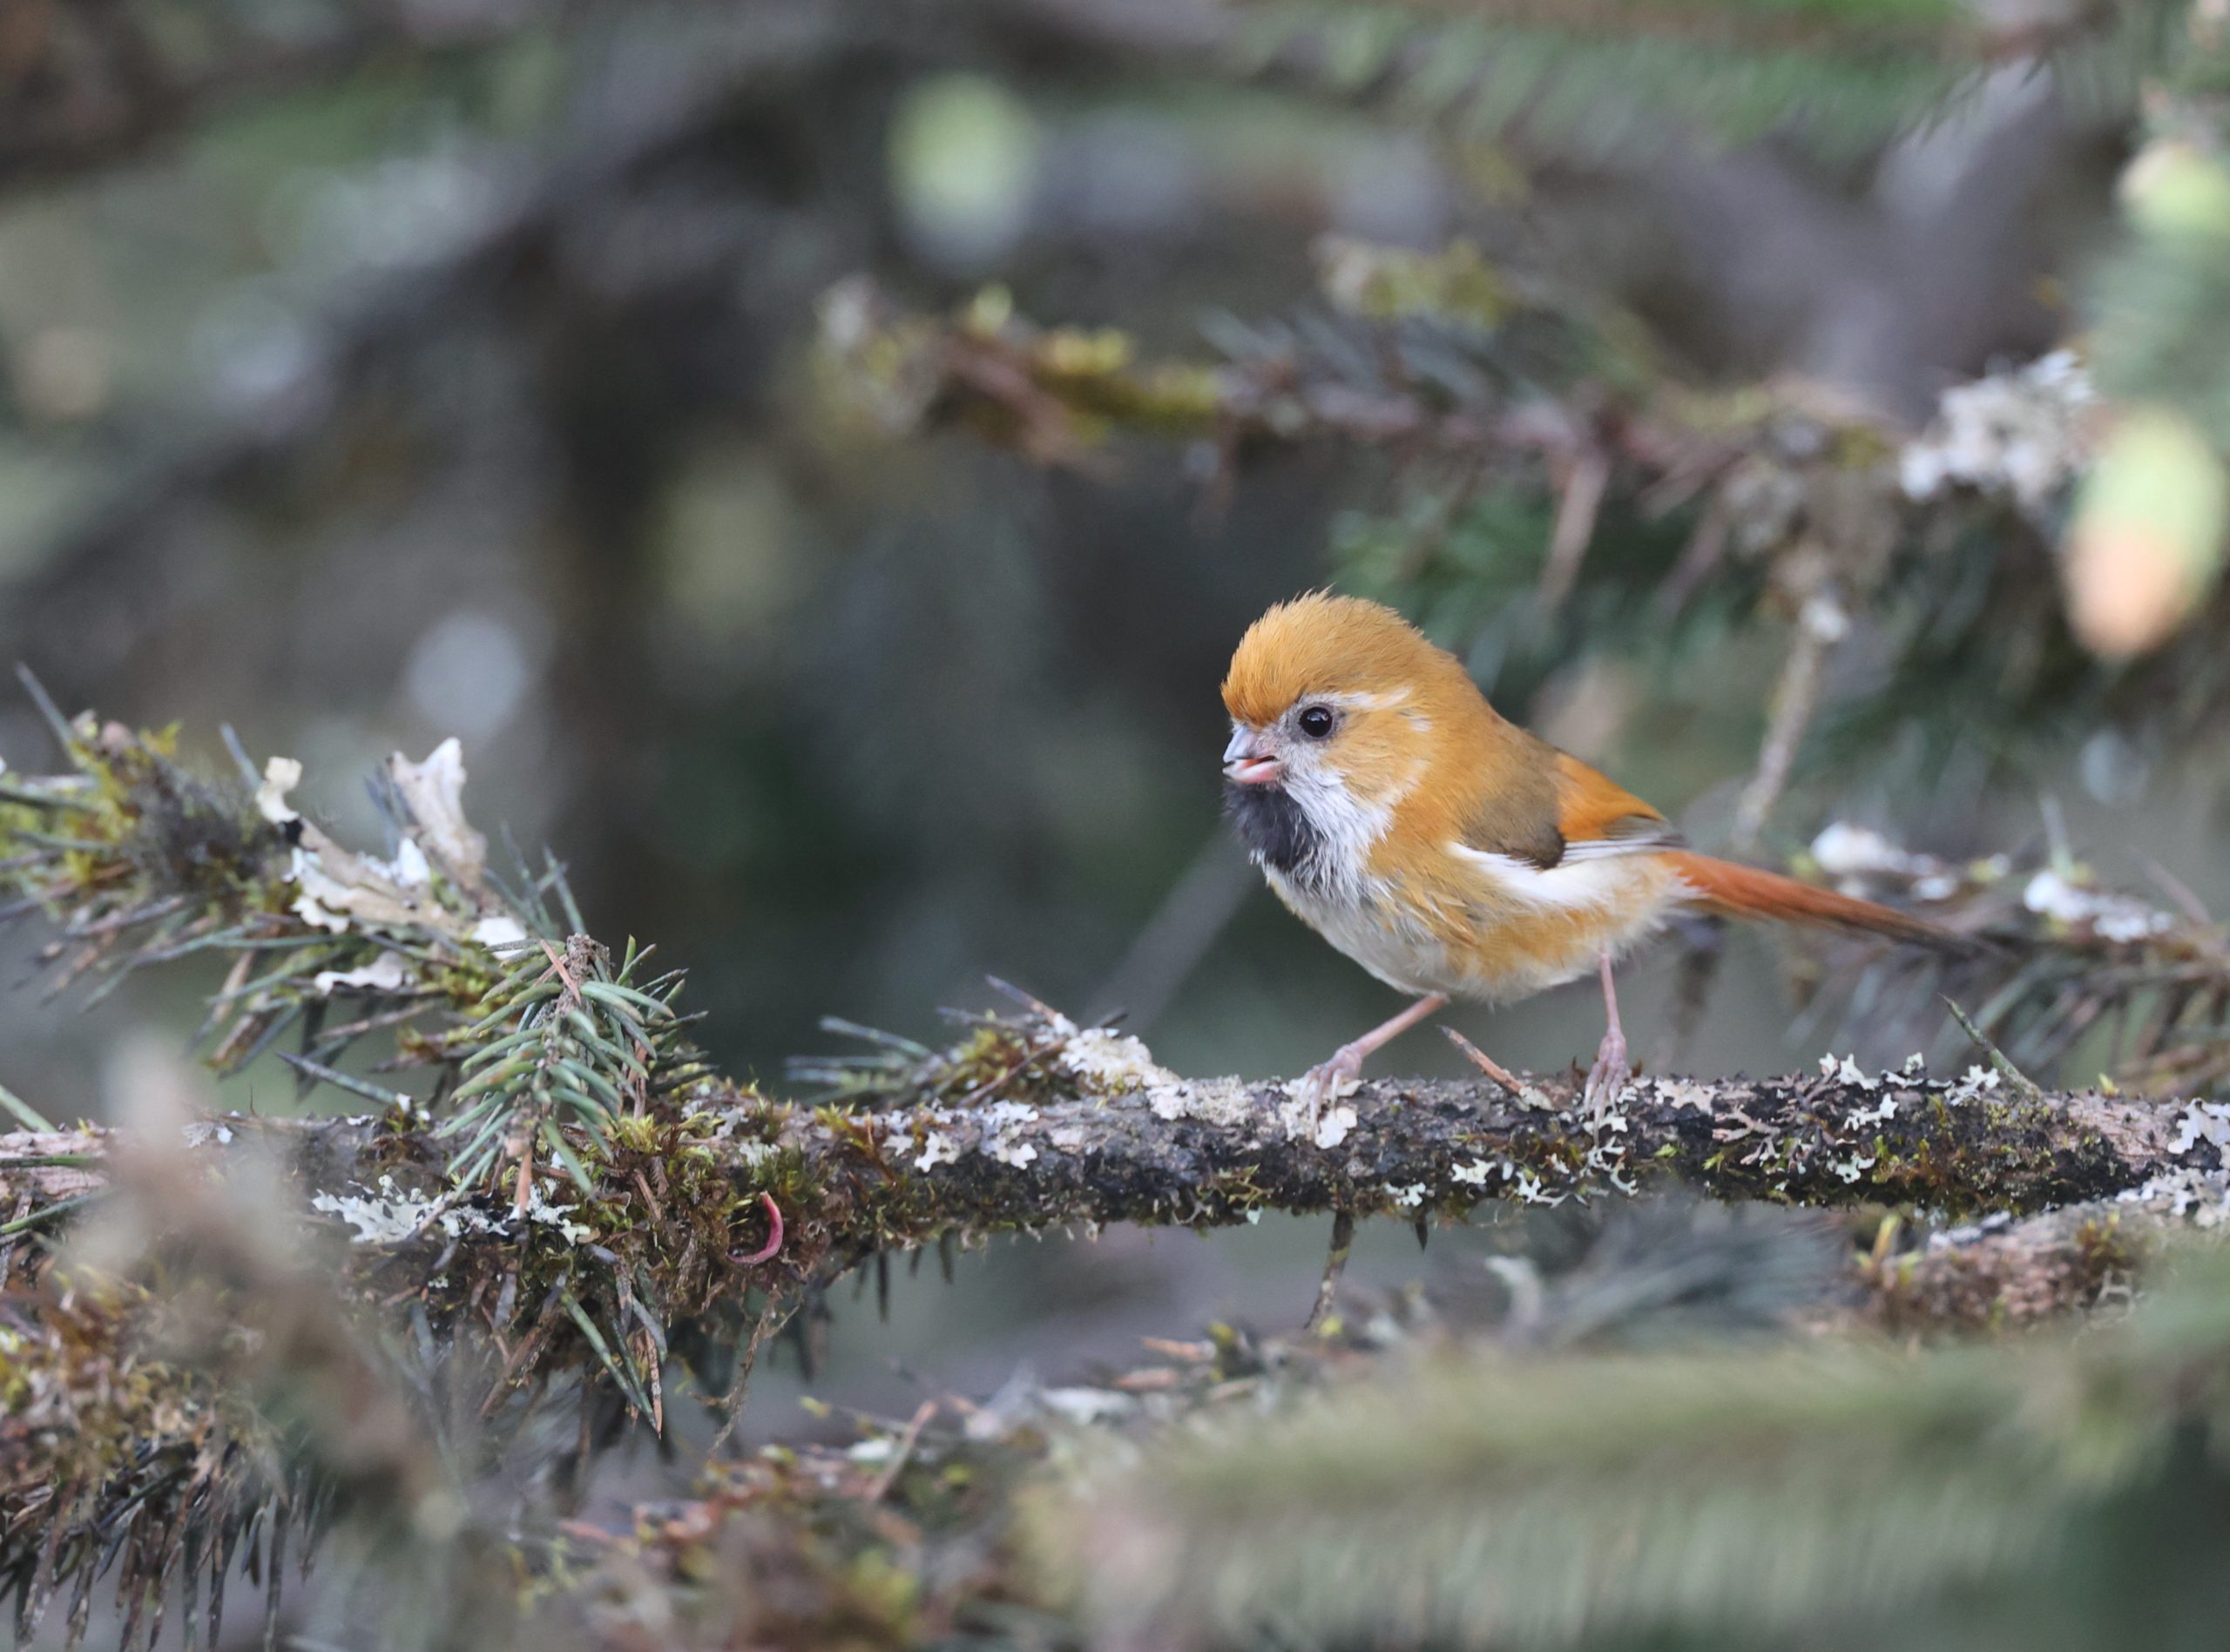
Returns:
point(1613, 1067)
point(1322, 1084)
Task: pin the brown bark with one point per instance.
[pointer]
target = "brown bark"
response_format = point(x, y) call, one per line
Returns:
point(1083, 1129)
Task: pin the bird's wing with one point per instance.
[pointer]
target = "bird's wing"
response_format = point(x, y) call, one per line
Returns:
point(1576, 816)
point(1596, 816)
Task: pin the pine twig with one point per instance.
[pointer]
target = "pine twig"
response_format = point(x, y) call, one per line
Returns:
point(1336, 1264)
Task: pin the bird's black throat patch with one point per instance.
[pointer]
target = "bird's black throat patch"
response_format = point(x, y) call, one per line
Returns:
point(1275, 828)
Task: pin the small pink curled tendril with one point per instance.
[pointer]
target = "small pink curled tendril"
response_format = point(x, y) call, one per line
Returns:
point(766, 1252)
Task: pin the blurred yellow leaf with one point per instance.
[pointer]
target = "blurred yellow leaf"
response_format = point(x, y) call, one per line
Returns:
point(2173, 188)
point(2146, 541)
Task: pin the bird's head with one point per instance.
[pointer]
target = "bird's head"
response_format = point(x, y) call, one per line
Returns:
point(1338, 708)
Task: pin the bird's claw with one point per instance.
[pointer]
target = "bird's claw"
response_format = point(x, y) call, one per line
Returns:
point(1613, 1067)
point(1323, 1083)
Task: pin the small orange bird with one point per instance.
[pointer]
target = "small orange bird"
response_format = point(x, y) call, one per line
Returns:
point(1448, 851)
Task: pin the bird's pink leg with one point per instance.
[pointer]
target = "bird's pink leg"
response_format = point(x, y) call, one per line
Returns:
point(1319, 1082)
point(1613, 1067)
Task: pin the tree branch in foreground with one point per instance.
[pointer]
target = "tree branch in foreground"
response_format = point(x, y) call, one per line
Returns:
point(643, 1267)
point(1033, 1124)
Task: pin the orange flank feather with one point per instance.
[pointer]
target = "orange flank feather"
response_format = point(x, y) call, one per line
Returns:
point(1744, 891)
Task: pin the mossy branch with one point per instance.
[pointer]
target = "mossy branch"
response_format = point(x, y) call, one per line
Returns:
point(1082, 1129)
point(1090, 1133)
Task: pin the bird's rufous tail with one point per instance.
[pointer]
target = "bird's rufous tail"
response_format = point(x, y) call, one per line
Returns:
point(1734, 890)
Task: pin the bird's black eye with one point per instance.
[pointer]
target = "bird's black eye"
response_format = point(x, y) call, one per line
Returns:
point(1316, 721)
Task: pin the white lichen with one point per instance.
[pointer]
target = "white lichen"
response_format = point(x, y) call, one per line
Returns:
point(1853, 857)
point(2111, 917)
point(1113, 1061)
point(1309, 1116)
point(1087, 1405)
point(1848, 1071)
point(996, 1120)
point(2206, 1122)
point(434, 792)
point(1844, 851)
point(389, 972)
point(378, 1220)
point(1334, 1127)
point(1880, 1113)
point(499, 929)
point(1226, 1103)
point(2024, 435)
point(2185, 1194)
point(280, 776)
point(386, 1215)
point(1532, 1190)
point(340, 889)
point(1973, 1084)
point(1683, 1094)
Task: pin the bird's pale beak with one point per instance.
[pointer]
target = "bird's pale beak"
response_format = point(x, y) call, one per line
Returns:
point(1249, 758)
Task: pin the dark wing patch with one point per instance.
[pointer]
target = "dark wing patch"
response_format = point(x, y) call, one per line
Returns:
point(1557, 810)
point(1628, 834)
point(1518, 817)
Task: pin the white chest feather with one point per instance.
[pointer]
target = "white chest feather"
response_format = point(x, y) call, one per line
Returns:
point(1516, 930)
point(1390, 940)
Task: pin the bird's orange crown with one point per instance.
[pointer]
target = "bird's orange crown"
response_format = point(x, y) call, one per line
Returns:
point(1321, 643)
point(1419, 739)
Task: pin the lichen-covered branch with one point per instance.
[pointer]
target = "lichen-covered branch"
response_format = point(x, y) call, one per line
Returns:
point(1029, 1124)
point(1033, 1124)
point(2002, 1274)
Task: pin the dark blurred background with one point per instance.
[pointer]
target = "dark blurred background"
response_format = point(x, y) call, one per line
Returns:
point(451, 368)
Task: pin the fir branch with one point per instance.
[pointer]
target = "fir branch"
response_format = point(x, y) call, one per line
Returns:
point(1564, 1502)
point(1592, 77)
point(1482, 398)
point(95, 85)
point(2083, 967)
point(1013, 1128)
